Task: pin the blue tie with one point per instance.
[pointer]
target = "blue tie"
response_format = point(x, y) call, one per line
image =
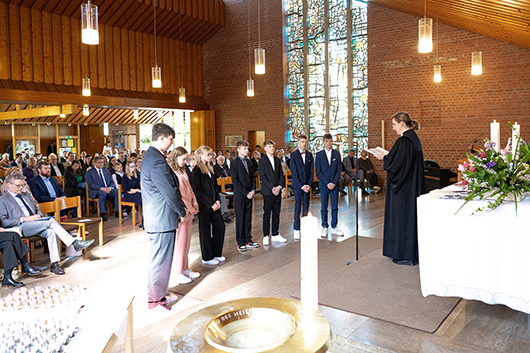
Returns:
point(100, 172)
point(31, 213)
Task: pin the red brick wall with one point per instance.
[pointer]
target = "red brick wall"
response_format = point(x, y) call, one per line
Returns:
point(226, 71)
point(460, 108)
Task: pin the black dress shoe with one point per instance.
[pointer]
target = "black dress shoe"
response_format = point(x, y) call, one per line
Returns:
point(103, 216)
point(117, 214)
point(405, 262)
point(82, 244)
point(56, 268)
point(8, 281)
point(30, 270)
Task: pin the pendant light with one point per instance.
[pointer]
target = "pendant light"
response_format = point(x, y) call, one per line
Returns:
point(89, 24)
point(259, 52)
point(425, 33)
point(156, 70)
point(86, 87)
point(182, 90)
point(437, 66)
point(61, 114)
point(136, 114)
point(86, 110)
point(250, 81)
point(476, 56)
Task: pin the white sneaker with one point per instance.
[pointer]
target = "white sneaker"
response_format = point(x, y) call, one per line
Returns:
point(337, 231)
point(377, 189)
point(190, 274)
point(296, 234)
point(278, 238)
point(210, 262)
point(220, 258)
point(341, 239)
point(265, 240)
point(324, 233)
point(180, 278)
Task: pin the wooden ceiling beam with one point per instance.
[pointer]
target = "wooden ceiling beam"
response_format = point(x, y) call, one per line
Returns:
point(36, 112)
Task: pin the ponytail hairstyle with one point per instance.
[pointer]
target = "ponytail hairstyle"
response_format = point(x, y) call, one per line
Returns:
point(405, 117)
point(205, 168)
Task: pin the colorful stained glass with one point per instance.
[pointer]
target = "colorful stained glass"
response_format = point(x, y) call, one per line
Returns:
point(337, 69)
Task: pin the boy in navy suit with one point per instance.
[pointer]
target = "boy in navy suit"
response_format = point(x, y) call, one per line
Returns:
point(302, 170)
point(244, 188)
point(328, 167)
point(271, 175)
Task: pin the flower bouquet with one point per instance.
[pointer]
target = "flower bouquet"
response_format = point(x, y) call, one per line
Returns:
point(497, 175)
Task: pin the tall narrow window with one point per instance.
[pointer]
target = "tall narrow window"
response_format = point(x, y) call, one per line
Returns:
point(327, 91)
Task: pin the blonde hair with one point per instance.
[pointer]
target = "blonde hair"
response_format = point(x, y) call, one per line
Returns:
point(205, 168)
point(172, 158)
point(128, 171)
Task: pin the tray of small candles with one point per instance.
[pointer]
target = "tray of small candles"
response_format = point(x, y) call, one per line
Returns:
point(40, 319)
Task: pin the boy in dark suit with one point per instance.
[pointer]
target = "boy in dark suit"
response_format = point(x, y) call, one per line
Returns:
point(271, 175)
point(244, 188)
point(302, 169)
point(328, 167)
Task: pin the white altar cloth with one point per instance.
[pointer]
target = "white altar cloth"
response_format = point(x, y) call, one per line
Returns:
point(484, 257)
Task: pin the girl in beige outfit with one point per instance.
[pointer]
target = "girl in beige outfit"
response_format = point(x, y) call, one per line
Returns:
point(177, 161)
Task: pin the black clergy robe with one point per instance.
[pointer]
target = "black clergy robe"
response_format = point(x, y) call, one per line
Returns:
point(404, 182)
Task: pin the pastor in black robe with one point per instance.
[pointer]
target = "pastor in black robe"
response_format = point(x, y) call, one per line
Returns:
point(404, 183)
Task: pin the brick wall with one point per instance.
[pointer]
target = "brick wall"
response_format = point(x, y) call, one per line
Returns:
point(452, 113)
point(226, 71)
point(459, 109)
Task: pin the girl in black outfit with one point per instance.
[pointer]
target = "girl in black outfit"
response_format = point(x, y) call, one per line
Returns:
point(211, 224)
point(74, 180)
point(131, 184)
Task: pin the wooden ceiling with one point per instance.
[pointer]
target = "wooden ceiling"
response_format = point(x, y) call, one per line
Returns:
point(505, 20)
point(198, 20)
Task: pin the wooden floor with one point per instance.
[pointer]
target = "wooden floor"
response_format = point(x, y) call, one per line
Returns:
point(120, 267)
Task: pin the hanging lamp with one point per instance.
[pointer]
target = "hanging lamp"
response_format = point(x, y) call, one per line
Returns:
point(259, 52)
point(476, 56)
point(86, 87)
point(156, 70)
point(437, 66)
point(89, 24)
point(136, 114)
point(250, 81)
point(425, 33)
point(86, 110)
point(182, 90)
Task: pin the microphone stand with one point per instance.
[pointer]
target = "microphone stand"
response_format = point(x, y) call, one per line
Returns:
point(355, 193)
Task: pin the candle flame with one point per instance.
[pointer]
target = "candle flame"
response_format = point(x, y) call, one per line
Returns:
point(494, 120)
point(308, 214)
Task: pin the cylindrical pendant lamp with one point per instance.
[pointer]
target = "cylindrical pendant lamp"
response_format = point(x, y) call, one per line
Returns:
point(259, 61)
point(476, 63)
point(157, 76)
point(182, 95)
point(250, 88)
point(86, 87)
point(425, 35)
point(86, 110)
point(136, 114)
point(89, 24)
point(437, 73)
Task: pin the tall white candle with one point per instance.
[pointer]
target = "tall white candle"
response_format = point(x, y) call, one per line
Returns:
point(309, 261)
point(495, 134)
point(516, 136)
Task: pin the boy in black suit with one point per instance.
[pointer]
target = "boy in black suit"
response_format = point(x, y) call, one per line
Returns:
point(244, 188)
point(271, 175)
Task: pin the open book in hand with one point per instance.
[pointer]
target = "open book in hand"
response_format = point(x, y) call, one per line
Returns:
point(377, 151)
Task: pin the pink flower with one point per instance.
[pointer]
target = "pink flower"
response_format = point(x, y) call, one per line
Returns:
point(461, 168)
point(472, 169)
point(504, 152)
point(464, 182)
point(483, 154)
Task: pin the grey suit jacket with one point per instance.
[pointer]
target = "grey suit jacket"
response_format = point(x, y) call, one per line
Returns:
point(161, 201)
point(11, 212)
point(348, 167)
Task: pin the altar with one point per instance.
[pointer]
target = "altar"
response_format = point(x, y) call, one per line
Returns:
point(482, 257)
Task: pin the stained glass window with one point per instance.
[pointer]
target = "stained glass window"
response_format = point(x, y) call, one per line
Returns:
point(336, 67)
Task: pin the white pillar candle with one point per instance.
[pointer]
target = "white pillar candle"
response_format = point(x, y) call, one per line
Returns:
point(309, 261)
point(495, 134)
point(516, 136)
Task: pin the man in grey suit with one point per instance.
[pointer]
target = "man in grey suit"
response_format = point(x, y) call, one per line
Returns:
point(162, 208)
point(18, 209)
point(352, 170)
